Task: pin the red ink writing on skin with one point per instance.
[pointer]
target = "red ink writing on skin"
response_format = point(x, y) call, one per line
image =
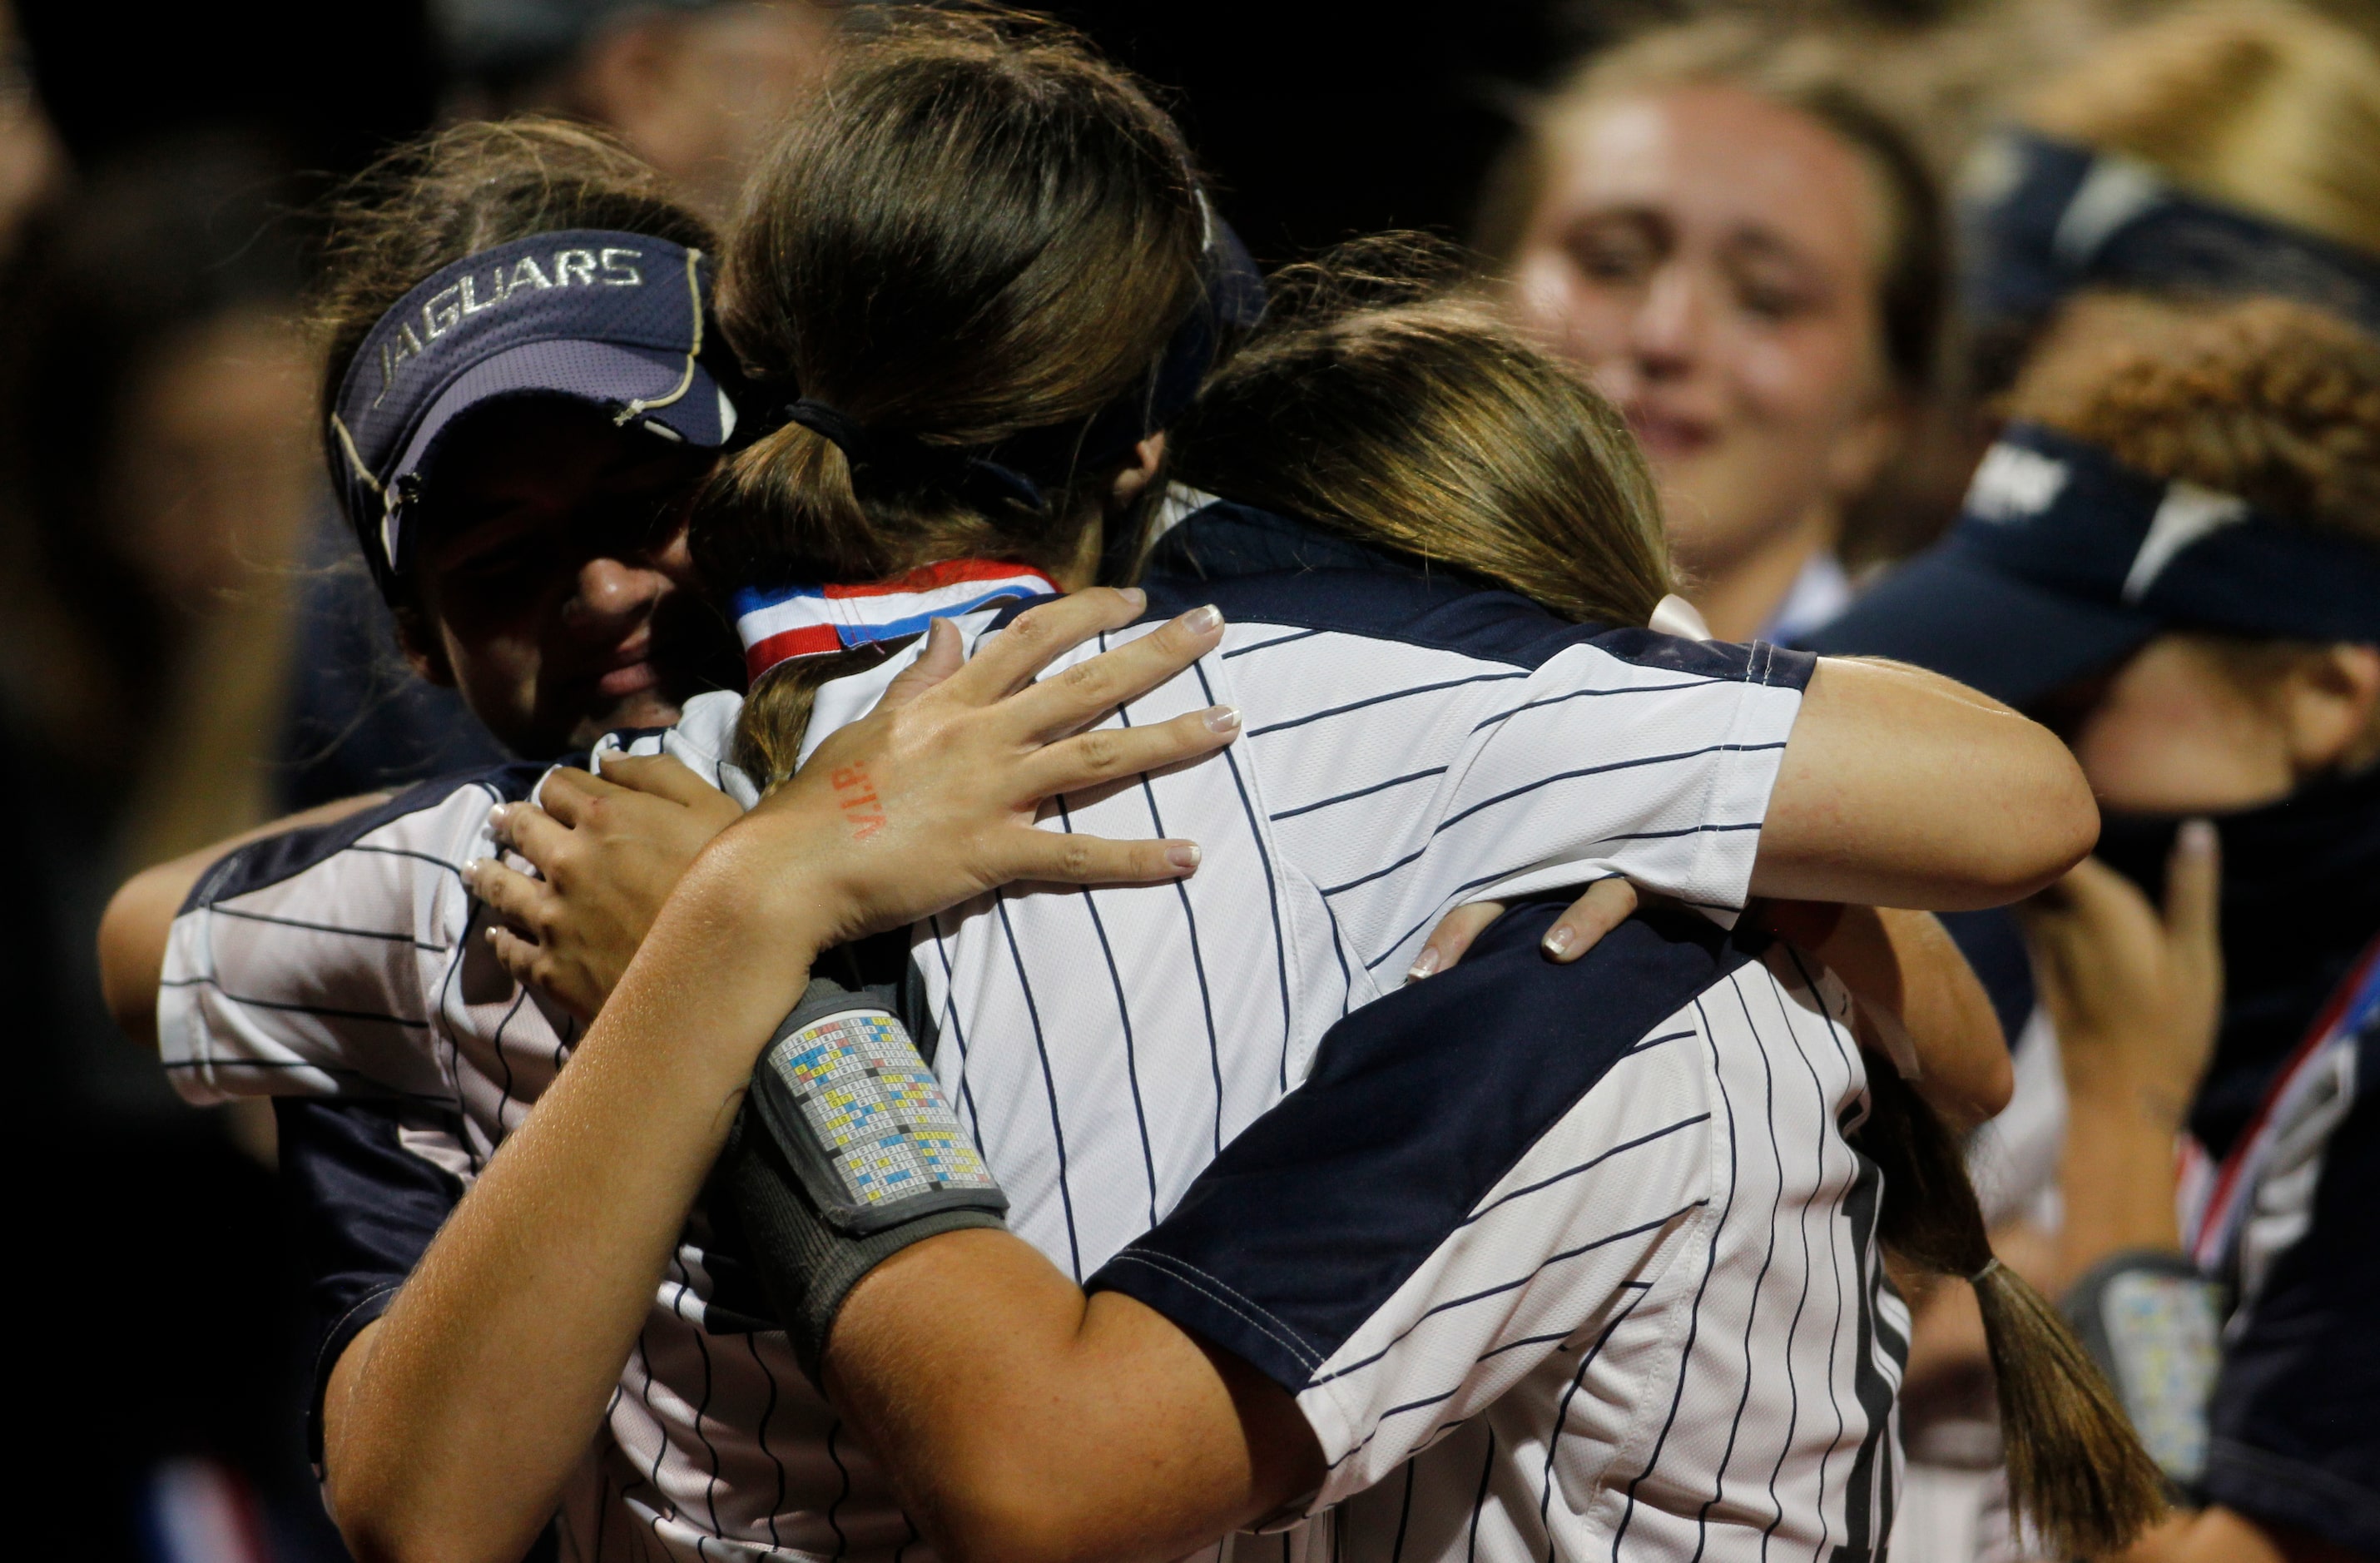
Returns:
point(853, 779)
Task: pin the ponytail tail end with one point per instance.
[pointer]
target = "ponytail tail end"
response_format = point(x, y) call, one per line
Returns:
point(2078, 1474)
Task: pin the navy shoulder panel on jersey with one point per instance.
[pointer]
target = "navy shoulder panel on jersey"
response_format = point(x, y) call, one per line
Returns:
point(363, 1209)
point(1418, 1103)
point(2295, 1439)
point(1260, 567)
point(275, 858)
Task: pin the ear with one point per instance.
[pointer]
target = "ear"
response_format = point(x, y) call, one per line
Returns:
point(1138, 472)
point(423, 651)
point(2331, 707)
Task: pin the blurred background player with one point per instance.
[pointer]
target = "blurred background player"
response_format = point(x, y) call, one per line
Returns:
point(2171, 558)
point(1749, 258)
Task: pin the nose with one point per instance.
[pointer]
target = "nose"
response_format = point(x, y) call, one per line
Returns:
point(1666, 334)
point(612, 594)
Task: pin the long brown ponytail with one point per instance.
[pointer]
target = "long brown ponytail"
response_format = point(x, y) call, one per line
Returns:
point(978, 233)
point(2077, 1472)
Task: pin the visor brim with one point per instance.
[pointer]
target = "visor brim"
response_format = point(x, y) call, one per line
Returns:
point(684, 402)
point(1949, 613)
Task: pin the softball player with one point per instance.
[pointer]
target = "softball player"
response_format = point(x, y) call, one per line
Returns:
point(1411, 740)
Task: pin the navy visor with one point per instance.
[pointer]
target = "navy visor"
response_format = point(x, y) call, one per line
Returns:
point(613, 320)
point(2065, 561)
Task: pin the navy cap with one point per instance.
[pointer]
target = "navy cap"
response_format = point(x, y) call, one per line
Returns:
point(613, 320)
point(2044, 217)
point(2065, 561)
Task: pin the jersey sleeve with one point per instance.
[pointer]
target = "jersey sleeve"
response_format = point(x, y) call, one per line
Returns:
point(310, 963)
point(368, 1186)
point(1475, 769)
point(1635, 752)
point(1483, 1169)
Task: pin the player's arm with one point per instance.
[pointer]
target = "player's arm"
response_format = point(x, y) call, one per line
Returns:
point(1026, 1422)
point(453, 1422)
point(140, 918)
point(1916, 988)
point(1901, 788)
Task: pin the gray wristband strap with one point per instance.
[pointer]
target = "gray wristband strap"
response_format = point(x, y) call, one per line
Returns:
point(847, 1152)
point(2152, 1323)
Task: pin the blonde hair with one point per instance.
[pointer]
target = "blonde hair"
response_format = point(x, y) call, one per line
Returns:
point(2264, 105)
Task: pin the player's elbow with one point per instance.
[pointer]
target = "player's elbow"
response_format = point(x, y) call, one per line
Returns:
point(2048, 821)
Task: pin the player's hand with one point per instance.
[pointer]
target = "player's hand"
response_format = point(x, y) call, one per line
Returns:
point(932, 798)
point(2136, 994)
point(1605, 906)
point(610, 849)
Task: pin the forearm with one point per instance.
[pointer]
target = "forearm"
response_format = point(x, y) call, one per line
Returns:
point(451, 1432)
point(1024, 1421)
point(1908, 973)
point(2115, 1170)
point(140, 916)
point(1900, 788)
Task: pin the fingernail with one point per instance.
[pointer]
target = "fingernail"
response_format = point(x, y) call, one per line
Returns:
point(472, 872)
point(1134, 598)
point(2197, 837)
point(496, 816)
point(1199, 621)
point(1425, 964)
point(1223, 718)
point(1183, 855)
point(1558, 939)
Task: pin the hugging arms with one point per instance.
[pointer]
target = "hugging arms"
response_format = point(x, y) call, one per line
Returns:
point(421, 1449)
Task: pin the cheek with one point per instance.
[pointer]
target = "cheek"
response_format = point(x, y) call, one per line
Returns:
point(1805, 378)
point(1572, 315)
point(2162, 744)
point(495, 672)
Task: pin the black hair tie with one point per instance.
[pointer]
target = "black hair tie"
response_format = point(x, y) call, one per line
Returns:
point(906, 459)
point(837, 427)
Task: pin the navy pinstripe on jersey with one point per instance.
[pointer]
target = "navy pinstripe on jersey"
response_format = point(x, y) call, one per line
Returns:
point(1579, 1255)
point(1410, 742)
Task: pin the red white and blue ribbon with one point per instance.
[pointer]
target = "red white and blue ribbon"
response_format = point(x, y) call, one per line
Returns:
point(817, 621)
point(2213, 1196)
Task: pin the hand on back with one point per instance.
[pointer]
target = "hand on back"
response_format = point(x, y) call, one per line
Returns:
point(930, 799)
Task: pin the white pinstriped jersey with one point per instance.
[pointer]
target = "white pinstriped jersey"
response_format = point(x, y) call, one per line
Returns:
point(1559, 1265)
point(1410, 744)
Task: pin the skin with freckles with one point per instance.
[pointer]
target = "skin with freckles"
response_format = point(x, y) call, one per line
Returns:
point(555, 587)
point(1710, 257)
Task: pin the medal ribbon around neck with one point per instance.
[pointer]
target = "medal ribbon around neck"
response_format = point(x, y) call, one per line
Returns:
point(819, 621)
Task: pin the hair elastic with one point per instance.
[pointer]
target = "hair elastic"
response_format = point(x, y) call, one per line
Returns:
point(819, 621)
point(1984, 1274)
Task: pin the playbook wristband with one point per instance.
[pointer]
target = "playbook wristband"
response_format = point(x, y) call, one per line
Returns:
point(2153, 1322)
point(846, 1153)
